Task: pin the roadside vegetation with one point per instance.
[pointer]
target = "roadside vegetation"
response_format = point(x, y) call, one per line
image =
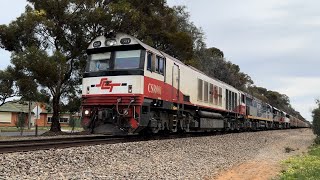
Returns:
point(303, 167)
point(40, 128)
point(306, 166)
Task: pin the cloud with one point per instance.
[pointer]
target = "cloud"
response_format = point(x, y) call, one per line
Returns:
point(304, 108)
point(8, 12)
point(300, 86)
point(311, 22)
point(302, 92)
point(4, 59)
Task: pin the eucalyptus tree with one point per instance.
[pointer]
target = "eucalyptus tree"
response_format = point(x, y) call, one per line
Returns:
point(48, 43)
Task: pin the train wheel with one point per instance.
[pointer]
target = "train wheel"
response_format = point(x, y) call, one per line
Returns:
point(187, 127)
point(155, 130)
point(237, 127)
point(174, 124)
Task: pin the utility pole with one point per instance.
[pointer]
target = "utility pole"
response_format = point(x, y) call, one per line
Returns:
point(37, 111)
point(29, 115)
point(37, 120)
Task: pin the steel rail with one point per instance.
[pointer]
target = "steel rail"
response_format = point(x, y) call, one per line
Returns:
point(49, 143)
point(66, 142)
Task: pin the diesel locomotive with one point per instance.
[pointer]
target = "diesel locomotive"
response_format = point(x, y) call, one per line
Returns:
point(130, 87)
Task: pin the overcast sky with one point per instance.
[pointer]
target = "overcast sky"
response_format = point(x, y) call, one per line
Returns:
point(275, 42)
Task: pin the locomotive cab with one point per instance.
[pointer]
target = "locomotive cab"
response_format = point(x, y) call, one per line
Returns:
point(113, 84)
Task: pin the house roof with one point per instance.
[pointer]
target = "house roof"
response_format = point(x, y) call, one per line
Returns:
point(16, 106)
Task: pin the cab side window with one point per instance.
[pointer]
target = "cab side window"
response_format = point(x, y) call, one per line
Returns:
point(161, 66)
point(149, 61)
point(242, 98)
point(157, 64)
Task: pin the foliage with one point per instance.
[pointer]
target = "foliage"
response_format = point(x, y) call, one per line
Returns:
point(155, 23)
point(21, 122)
point(317, 140)
point(73, 104)
point(303, 167)
point(288, 149)
point(6, 86)
point(72, 123)
point(316, 119)
point(212, 63)
point(46, 43)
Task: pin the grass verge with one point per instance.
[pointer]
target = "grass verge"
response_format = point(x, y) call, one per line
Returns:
point(303, 167)
point(41, 128)
point(14, 129)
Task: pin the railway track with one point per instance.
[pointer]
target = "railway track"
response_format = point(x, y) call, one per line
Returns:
point(65, 142)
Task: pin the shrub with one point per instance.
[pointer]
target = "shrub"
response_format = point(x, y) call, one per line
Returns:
point(316, 120)
point(73, 122)
point(288, 149)
point(21, 122)
point(303, 167)
point(317, 140)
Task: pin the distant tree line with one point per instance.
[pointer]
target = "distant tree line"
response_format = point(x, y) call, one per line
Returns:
point(48, 43)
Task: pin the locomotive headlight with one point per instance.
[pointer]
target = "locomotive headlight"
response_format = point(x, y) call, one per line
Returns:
point(88, 89)
point(86, 112)
point(111, 42)
point(130, 89)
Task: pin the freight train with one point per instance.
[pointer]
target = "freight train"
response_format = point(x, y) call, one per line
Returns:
point(130, 87)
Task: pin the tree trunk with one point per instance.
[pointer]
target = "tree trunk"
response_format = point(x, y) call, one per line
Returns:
point(55, 124)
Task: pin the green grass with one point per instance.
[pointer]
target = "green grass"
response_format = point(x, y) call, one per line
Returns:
point(40, 128)
point(15, 129)
point(303, 167)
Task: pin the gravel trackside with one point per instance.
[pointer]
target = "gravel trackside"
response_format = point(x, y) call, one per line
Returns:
point(184, 158)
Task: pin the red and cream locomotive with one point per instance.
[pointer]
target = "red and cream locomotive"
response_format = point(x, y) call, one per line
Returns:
point(130, 87)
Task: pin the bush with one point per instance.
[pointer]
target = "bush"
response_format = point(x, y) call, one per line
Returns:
point(288, 149)
point(316, 120)
point(317, 140)
point(303, 167)
point(21, 122)
point(74, 122)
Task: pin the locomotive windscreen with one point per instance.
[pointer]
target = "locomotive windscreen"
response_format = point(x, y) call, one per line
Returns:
point(127, 59)
point(99, 62)
point(116, 60)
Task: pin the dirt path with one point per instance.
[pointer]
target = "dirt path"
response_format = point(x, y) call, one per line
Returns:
point(267, 163)
point(252, 170)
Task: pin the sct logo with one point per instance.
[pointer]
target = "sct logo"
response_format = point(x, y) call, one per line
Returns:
point(105, 84)
point(154, 89)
